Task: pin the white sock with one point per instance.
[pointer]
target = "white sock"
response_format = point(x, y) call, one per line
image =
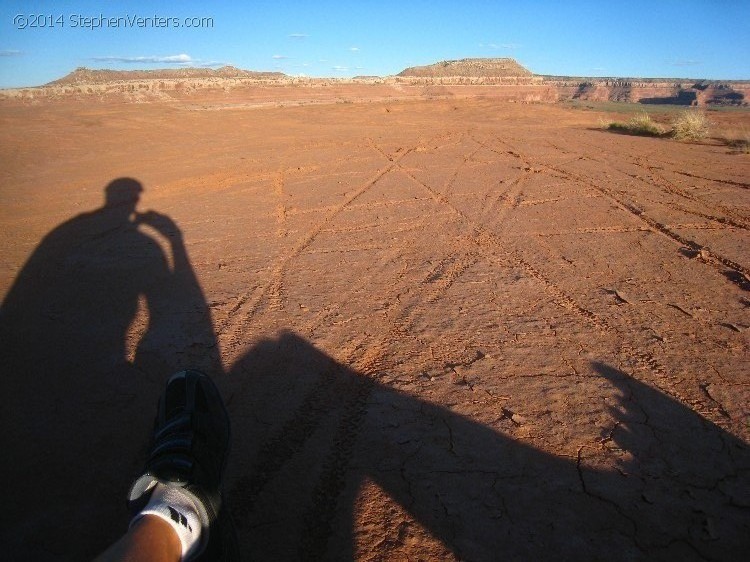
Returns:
point(180, 509)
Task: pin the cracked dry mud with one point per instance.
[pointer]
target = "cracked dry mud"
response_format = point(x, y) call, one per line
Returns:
point(445, 330)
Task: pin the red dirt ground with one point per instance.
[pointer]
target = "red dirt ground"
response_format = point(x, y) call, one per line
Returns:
point(445, 329)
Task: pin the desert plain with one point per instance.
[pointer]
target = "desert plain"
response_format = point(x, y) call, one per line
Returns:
point(446, 328)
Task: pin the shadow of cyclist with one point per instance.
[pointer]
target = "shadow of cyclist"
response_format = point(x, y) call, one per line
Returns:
point(106, 307)
point(313, 435)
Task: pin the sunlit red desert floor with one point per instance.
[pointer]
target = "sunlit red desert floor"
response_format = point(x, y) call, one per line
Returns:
point(445, 329)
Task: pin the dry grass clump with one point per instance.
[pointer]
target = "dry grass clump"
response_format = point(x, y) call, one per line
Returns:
point(690, 126)
point(641, 124)
point(739, 145)
point(738, 141)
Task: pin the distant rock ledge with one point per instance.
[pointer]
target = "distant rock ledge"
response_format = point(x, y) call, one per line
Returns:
point(502, 79)
point(469, 68)
point(83, 75)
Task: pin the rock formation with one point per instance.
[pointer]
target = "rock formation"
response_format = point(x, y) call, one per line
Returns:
point(500, 78)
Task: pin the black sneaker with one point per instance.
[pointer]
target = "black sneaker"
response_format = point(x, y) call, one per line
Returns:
point(189, 449)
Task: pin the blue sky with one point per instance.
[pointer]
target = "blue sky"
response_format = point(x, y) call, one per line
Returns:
point(658, 38)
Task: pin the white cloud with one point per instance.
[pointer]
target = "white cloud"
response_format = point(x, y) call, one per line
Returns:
point(177, 58)
point(170, 59)
point(354, 49)
point(182, 59)
point(496, 46)
point(10, 53)
point(322, 60)
point(212, 63)
point(686, 62)
point(298, 35)
point(279, 57)
point(338, 68)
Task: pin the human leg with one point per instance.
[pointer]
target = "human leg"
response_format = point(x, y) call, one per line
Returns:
point(181, 482)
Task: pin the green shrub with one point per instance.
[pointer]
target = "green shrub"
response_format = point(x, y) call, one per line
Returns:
point(690, 125)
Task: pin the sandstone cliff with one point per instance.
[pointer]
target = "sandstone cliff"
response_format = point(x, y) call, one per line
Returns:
point(468, 68)
point(499, 78)
point(83, 75)
point(652, 91)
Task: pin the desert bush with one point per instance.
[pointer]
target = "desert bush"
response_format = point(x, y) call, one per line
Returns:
point(641, 124)
point(690, 125)
point(739, 145)
point(737, 140)
point(644, 125)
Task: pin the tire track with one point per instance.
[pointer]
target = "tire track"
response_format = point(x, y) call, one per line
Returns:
point(594, 230)
point(278, 188)
point(643, 359)
point(396, 253)
point(489, 241)
point(285, 444)
point(504, 201)
point(343, 396)
point(727, 182)
point(350, 394)
point(318, 520)
point(709, 256)
point(511, 197)
point(726, 222)
point(346, 396)
point(730, 217)
point(245, 308)
point(347, 399)
point(741, 274)
point(448, 186)
point(657, 180)
point(703, 226)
